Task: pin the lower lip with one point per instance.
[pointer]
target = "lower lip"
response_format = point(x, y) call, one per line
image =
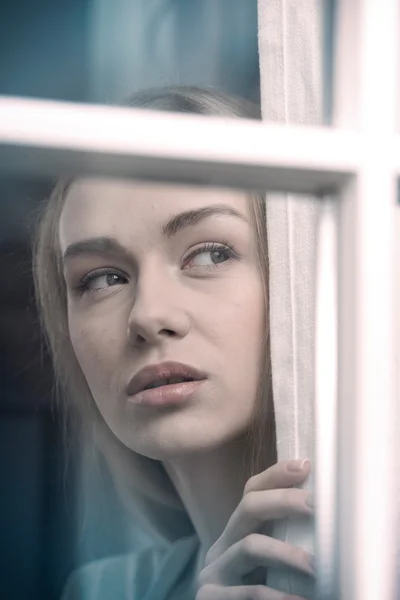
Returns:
point(166, 395)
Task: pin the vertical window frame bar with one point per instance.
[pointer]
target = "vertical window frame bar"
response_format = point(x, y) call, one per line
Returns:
point(365, 100)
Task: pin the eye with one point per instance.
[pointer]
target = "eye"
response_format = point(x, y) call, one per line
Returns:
point(100, 280)
point(209, 256)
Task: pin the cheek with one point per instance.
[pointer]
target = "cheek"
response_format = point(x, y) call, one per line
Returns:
point(243, 333)
point(94, 348)
point(244, 317)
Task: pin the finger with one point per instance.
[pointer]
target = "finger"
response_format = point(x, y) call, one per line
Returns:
point(255, 551)
point(255, 510)
point(243, 592)
point(258, 507)
point(283, 474)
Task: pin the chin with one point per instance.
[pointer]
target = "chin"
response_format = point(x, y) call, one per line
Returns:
point(179, 440)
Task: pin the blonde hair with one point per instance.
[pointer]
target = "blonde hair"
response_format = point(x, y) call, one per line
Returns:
point(143, 484)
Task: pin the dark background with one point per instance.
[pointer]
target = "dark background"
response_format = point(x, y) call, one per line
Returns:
point(75, 50)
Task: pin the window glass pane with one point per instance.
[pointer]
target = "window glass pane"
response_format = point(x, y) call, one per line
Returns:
point(105, 53)
point(99, 51)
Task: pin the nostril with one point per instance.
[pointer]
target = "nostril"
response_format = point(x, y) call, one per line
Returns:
point(169, 332)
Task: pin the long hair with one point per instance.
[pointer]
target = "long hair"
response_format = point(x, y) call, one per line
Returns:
point(143, 483)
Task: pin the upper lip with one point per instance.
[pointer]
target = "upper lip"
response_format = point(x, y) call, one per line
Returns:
point(164, 370)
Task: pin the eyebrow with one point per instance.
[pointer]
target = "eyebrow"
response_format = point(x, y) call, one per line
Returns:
point(109, 245)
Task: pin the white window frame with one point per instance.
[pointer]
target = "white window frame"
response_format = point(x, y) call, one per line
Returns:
point(358, 161)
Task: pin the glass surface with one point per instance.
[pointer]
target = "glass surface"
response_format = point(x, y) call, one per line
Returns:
point(100, 51)
point(58, 514)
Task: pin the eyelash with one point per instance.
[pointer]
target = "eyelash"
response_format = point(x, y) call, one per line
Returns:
point(83, 286)
point(213, 247)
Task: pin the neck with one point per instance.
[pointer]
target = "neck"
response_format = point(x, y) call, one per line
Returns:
point(210, 486)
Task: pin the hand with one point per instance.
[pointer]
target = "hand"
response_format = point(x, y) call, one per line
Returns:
point(241, 549)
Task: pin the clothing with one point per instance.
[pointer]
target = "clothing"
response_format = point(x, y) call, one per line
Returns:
point(154, 573)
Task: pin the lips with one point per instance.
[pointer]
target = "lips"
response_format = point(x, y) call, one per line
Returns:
point(162, 372)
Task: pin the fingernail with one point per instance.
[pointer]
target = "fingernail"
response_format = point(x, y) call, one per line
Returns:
point(310, 500)
point(298, 465)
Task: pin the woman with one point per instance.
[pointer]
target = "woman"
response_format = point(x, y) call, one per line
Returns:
point(154, 300)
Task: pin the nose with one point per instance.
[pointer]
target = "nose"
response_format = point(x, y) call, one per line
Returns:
point(158, 312)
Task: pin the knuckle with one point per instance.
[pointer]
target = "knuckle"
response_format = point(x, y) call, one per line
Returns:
point(250, 509)
point(250, 544)
point(258, 592)
point(250, 485)
point(204, 578)
point(248, 504)
point(298, 556)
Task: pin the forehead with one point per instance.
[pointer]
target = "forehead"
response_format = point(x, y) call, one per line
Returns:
point(95, 207)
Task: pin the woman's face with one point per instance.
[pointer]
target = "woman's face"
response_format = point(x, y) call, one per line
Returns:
point(190, 293)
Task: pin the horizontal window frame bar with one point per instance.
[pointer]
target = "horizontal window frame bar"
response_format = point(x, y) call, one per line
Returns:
point(48, 138)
